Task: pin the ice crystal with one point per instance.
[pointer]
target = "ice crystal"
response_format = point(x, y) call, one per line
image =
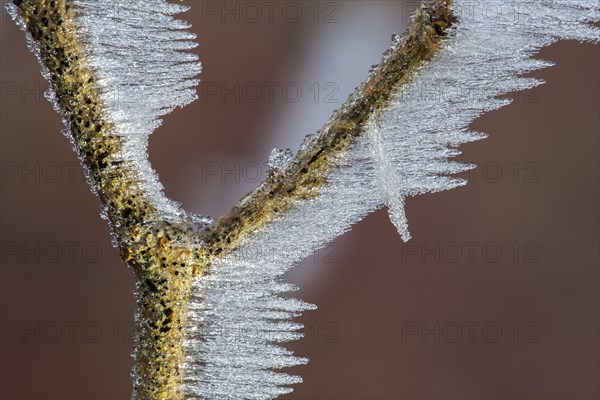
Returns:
point(407, 150)
point(279, 158)
point(138, 50)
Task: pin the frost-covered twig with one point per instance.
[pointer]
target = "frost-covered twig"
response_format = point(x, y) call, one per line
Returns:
point(303, 175)
point(108, 127)
point(165, 247)
point(115, 68)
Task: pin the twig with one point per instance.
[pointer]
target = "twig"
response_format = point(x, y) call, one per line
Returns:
point(167, 254)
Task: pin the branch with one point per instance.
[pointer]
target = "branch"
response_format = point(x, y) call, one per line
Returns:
point(167, 253)
point(303, 177)
point(164, 254)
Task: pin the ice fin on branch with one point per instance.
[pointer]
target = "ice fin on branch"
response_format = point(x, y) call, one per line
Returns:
point(389, 182)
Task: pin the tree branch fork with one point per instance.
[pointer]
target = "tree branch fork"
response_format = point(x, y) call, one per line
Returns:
point(167, 255)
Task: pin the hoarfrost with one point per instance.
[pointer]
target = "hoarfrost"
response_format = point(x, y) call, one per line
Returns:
point(238, 313)
point(138, 50)
point(407, 150)
point(279, 158)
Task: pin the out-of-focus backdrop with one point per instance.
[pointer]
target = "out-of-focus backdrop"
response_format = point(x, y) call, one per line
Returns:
point(496, 297)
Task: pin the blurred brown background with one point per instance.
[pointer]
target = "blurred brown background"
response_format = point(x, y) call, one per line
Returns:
point(496, 297)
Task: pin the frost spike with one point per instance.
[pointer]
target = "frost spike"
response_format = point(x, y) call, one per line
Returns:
point(389, 182)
